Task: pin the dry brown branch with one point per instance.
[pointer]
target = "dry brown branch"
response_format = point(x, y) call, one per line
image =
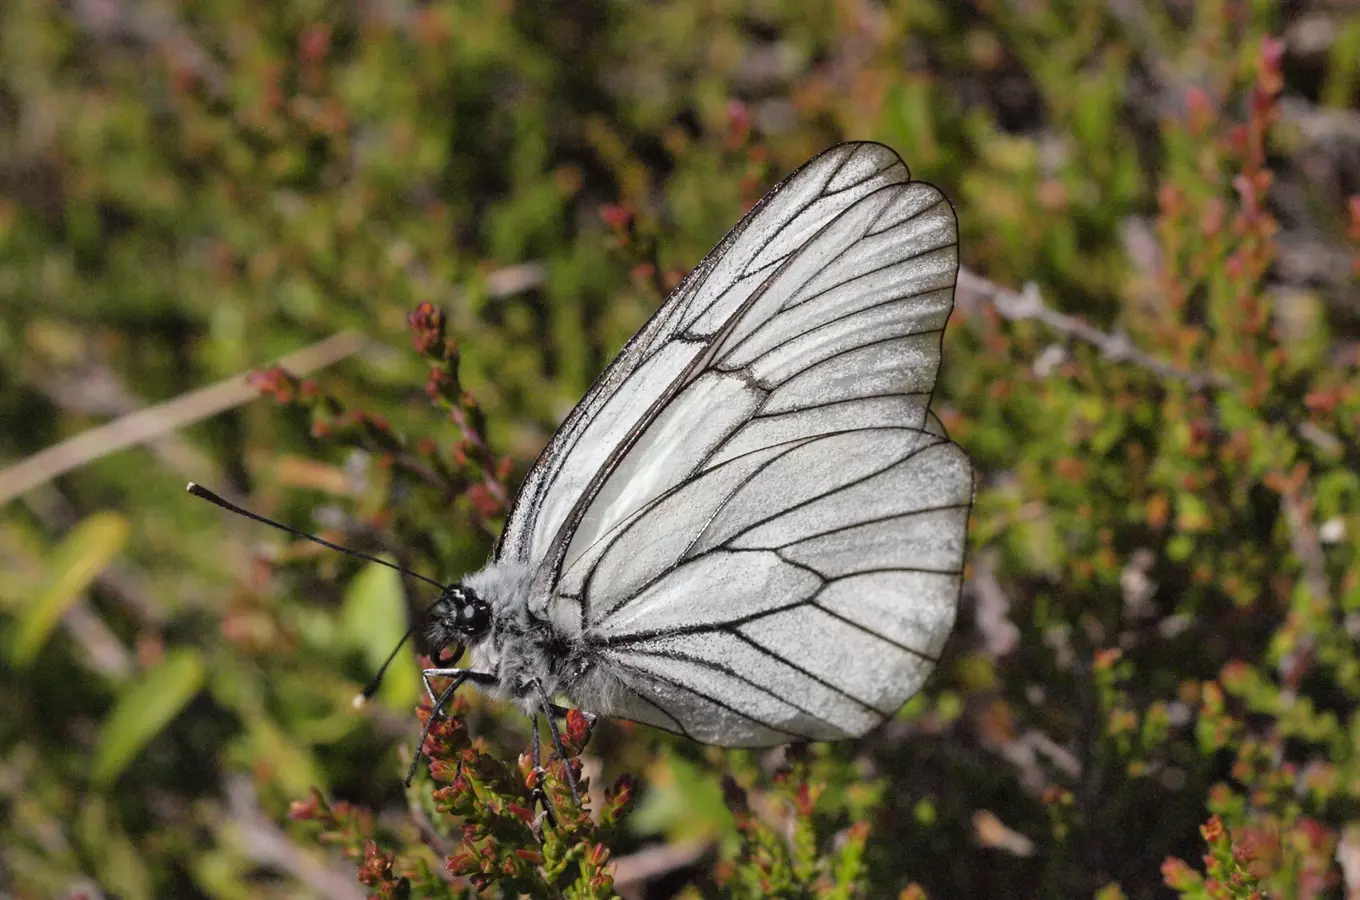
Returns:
point(97, 391)
point(632, 872)
point(101, 650)
point(150, 25)
point(992, 610)
point(157, 421)
point(439, 845)
point(516, 279)
point(1303, 540)
point(972, 290)
point(268, 845)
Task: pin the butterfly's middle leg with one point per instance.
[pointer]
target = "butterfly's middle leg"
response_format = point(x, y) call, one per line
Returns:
point(540, 795)
point(549, 710)
point(560, 712)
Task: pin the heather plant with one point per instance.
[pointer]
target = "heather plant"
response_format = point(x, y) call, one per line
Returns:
point(349, 266)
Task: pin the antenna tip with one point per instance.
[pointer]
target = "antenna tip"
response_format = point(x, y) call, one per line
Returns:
point(360, 700)
point(190, 487)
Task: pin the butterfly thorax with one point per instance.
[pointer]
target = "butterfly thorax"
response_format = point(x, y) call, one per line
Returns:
point(520, 648)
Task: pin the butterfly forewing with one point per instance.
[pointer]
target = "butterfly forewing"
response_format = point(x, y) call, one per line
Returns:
point(753, 515)
point(649, 368)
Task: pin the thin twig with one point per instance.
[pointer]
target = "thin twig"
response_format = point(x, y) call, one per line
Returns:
point(515, 279)
point(151, 25)
point(632, 872)
point(101, 649)
point(441, 846)
point(1303, 540)
point(1029, 304)
point(97, 391)
point(156, 421)
point(972, 291)
point(267, 844)
point(992, 610)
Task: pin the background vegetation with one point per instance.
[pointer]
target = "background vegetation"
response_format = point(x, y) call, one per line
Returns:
point(1152, 687)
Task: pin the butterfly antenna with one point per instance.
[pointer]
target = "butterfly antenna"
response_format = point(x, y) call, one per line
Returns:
point(200, 491)
point(372, 687)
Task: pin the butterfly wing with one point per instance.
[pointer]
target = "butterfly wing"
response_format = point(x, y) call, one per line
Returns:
point(659, 359)
point(753, 515)
point(799, 591)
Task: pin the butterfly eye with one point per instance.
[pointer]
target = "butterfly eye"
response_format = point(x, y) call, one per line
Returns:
point(473, 616)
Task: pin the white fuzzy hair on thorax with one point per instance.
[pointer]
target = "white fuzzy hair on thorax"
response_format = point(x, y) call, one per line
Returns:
point(521, 648)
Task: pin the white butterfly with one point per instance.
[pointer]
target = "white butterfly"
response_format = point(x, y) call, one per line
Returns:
point(751, 530)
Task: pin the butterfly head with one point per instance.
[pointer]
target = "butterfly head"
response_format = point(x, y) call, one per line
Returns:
point(458, 617)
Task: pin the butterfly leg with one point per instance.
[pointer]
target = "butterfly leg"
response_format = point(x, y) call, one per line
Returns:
point(486, 679)
point(547, 706)
point(539, 795)
point(436, 711)
point(561, 713)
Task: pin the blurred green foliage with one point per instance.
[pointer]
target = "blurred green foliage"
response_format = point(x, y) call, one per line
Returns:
point(1157, 646)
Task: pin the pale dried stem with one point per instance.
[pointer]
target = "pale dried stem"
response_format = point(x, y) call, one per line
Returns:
point(154, 422)
point(632, 872)
point(267, 844)
point(1028, 304)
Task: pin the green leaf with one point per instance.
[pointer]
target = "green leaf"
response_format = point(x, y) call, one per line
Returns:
point(114, 855)
point(290, 765)
point(144, 710)
point(1191, 513)
point(681, 802)
point(76, 561)
point(373, 620)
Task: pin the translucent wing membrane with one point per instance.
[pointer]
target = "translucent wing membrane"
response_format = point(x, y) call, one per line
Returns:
point(655, 363)
point(753, 515)
point(803, 591)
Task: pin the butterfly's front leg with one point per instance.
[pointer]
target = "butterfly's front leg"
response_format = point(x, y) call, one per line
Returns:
point(459, 676)
point(485, 679)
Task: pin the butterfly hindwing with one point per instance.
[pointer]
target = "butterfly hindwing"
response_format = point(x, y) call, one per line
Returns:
point(810, 603)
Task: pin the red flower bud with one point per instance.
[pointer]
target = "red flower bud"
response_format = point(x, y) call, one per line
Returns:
point(313, 44)
point(738, 124)
point(1212, 829)
point(616, 216)
point(301, 810)
point(483, 501)
point(622, 793)
point(578, 728)
point(1105, 659)
point(1177, 874)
